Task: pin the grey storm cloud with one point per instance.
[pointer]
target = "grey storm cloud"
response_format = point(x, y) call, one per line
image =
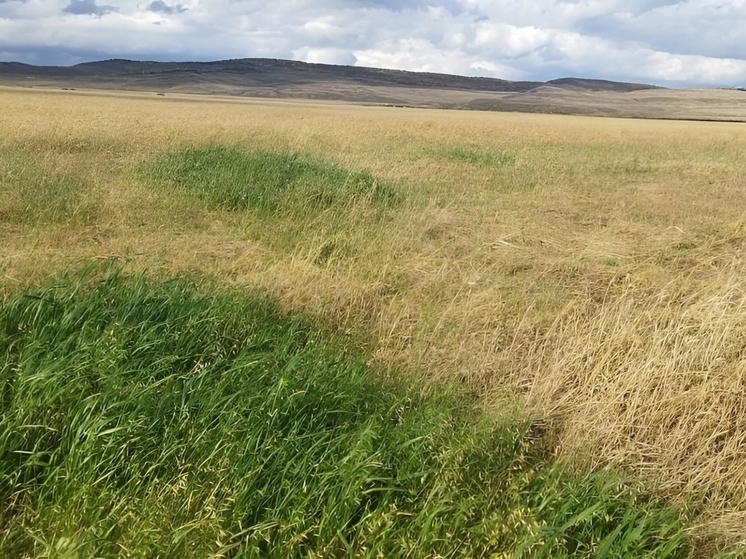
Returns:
point(88, 7)
point(159, 6)
point(453, 6)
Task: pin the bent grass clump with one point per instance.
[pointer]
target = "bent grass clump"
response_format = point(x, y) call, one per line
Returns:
point(156, 418)
point(266, 182)
point(473, 156)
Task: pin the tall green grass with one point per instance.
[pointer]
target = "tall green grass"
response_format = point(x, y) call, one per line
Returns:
point(145, 418)
point(266, 182)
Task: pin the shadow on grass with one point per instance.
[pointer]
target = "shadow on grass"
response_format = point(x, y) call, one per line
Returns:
point(172, 419)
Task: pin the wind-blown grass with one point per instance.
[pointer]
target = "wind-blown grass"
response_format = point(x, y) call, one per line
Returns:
point(591, 271)
point(143, 419)
point(32, 193)
point(473, 156)
point(265, 182)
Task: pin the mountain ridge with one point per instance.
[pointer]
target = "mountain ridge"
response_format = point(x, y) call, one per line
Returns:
point(284, 71)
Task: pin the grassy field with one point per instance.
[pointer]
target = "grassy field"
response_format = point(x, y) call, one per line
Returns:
point(588, 271)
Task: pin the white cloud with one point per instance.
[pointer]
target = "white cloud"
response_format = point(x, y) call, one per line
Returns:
point(325, 56)
point(694, 69)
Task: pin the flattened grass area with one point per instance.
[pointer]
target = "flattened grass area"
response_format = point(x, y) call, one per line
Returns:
point(145, 418)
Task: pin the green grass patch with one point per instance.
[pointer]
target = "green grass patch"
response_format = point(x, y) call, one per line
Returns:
point(164, 419)
point(266, 182)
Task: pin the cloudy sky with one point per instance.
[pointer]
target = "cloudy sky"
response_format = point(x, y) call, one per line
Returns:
point(675, 43)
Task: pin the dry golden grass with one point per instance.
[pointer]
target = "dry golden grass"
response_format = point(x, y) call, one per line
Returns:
point(595, 267)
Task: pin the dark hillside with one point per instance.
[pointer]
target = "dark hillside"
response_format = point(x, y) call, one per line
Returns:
point(599, 85)
point(260, 72)
point(270, 72)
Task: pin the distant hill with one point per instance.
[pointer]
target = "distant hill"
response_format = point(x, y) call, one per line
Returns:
point(286, 79)
point(599, 85)
point(262, 72)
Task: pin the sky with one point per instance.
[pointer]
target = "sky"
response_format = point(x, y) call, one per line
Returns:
point(692, 43)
